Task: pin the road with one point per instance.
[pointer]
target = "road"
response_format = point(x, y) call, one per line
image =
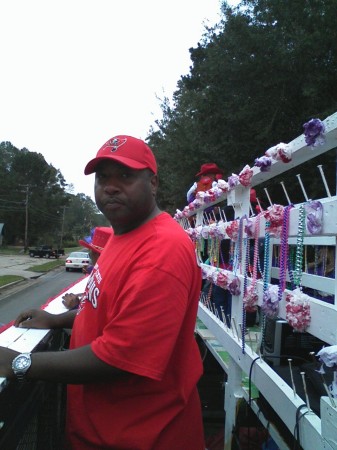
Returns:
point(34, 293)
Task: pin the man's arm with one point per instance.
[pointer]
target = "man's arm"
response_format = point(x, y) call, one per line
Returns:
point(77, 366)
point(38, 318)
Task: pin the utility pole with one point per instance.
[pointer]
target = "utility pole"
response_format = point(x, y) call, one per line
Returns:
point(62, 227)
point(26, 221)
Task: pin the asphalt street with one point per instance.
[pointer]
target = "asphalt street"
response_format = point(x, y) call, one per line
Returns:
point(18, 265)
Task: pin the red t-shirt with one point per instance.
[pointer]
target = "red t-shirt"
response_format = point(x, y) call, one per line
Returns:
point(139, 315)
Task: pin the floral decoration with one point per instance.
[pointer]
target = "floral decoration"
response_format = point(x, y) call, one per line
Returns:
point(274, 215)
point(284, 153)
point(250, 227)
point(222, 280)
point(298, 310)
point(328, 356)
point(280, 152)
point(200, 196)
point(232, 230)
point(314, 216)
point(233, 181)
point(270, 305)
point(223, 185)
point(234, 286)
point(264, 162)
point(250, 299)
point(314, 132)
point(245, 176)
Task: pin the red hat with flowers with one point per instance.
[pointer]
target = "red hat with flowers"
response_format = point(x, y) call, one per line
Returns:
point(209, 168)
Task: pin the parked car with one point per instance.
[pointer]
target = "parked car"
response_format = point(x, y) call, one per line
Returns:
point(77, 260)
point(45, 251)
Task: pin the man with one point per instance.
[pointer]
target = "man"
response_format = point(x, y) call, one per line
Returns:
point(133, 362)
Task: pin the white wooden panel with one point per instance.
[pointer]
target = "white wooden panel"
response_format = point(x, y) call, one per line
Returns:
point(25, 340)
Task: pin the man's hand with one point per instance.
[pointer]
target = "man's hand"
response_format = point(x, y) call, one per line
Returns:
point(35, 318)
point(71, 300)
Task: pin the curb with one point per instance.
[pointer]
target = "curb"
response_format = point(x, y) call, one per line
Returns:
point(14, 283)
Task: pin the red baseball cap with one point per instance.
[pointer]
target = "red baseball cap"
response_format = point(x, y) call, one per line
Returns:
point(127, 150)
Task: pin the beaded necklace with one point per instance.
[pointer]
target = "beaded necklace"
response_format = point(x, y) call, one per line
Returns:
point(284, 252)
point(299, 247)
point(214, 251)
point(324, 260)
point(256, 248)
point(290, 266)
point(250, 298)
point(316, 260)
point(266, 273)
point(244, 318)
point(238, 249)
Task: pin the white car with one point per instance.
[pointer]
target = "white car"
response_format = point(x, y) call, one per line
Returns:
point(77, 260)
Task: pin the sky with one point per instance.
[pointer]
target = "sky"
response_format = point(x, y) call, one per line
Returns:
point(74, 73)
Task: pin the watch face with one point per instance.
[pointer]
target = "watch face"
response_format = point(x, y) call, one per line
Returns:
point(22, 362)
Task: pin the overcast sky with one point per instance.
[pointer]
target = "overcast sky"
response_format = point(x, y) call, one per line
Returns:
point(76, 72)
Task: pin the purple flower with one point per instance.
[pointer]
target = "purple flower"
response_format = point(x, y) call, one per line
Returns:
point(314, 132)
point(234, 286)
point(264, 163)
point(270, 305)
point(233, 181)
point(314, 216)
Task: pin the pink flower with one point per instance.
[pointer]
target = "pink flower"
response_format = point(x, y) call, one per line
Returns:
point(284, 153)
point(274, 215)
point(298, 310)
point(251, 298)
point(223, 185)
point(212, 195)
point(245, 176)
point(232, 230)
point(280, 152)
point(200, 195)
point(222, 280)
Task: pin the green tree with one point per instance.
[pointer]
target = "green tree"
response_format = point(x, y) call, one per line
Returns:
point(256, 77)
point(79, 217)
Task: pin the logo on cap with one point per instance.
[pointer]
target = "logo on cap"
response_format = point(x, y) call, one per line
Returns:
point(115, 143)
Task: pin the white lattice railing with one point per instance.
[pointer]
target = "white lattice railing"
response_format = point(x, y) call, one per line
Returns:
point(315, 432)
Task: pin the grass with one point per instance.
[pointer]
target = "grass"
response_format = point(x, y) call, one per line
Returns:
point(7, 279)
point(11, 250)
point(46, 267)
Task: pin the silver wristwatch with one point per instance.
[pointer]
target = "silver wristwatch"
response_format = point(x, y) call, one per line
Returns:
point(21, 364)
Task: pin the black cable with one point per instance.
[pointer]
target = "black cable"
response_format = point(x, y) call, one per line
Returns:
point(296, 428)
point(250, 380)
point(298, 418)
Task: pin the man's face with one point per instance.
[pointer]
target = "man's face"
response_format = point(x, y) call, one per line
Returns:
point(125, 196)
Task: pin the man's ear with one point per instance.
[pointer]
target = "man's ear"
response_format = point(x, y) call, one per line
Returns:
point(154, 184)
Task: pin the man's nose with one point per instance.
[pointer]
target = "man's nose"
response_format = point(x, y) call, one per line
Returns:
point(111, 186)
